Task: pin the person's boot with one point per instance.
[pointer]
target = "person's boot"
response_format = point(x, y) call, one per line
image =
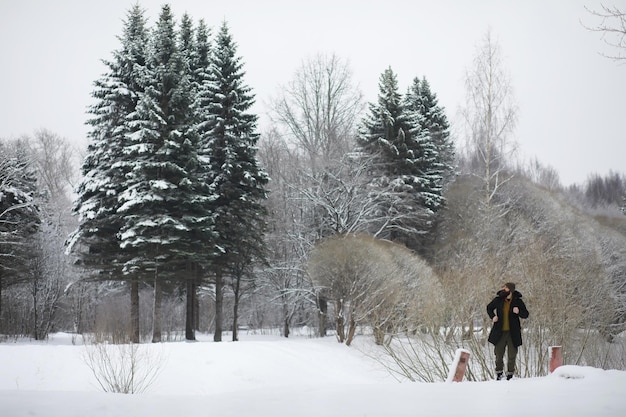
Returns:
point(509, 376)
point(498, 376)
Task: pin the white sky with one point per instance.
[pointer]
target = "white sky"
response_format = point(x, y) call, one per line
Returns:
point(571, 99)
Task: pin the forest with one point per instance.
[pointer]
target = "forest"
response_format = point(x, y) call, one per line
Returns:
point(346, 218)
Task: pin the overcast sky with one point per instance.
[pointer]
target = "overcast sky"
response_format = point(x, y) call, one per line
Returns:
point(571, 99)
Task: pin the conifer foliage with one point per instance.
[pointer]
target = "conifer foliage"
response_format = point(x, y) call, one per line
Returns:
point(117, 94)
point(407, 138)
point(20, 217)
point(228, 142)
point(171, 181)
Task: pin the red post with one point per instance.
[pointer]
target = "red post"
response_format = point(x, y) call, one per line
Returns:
point(461, 366)
point(556, 358)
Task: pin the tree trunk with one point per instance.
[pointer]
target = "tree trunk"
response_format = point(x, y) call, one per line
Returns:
point(351, 330)
point(35, 310)
point(156, 312)
point(219, 306)
point(340, 330)
point(134, 310)
point(1, 321)
point(322, 309)
point(190, 328)
point(286, 326)
point(379, 335)
point(236, 289)
point(196, 310)
point(286, 316)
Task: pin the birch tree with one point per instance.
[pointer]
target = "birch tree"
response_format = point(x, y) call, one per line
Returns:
point(490, 115)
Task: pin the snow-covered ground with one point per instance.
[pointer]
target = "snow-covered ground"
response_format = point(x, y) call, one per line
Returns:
point(265, 376)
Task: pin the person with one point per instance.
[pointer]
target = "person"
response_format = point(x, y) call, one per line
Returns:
point(505, 311)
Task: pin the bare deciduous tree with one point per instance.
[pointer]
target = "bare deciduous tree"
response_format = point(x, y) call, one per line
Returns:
point(490, 115)
point(55, 160)
point(612, 27)
point(541, 174)
point(315, 120)
point(319, 108)
point(47, 272)
point(289, 237)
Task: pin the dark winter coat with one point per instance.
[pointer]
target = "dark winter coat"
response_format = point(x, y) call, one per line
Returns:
point(495, 308)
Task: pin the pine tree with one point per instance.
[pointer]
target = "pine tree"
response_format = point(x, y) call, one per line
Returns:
point(228, 154)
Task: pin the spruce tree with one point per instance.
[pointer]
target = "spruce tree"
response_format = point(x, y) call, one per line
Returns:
point(195, 49)
point(384, 124)
point(228, 157)
point(429, 166)
point(117, 94)
point(165, 221)
point(393, 136)
point(423, 100)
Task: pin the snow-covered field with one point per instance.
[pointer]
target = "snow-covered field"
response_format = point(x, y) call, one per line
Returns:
point(265, 376)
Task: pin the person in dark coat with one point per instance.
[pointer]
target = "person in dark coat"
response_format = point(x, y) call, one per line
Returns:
point(506, 333)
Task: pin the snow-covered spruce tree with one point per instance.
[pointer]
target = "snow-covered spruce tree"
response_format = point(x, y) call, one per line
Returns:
point(187, 47)
point(166, 226)
point(195, 48)
point(402, 183)
point(426, 159)
point(422, 99)
point(228, 161)
point(117, 94)
point(19, 215)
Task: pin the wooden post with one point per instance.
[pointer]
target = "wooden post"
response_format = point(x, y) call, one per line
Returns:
point(457, 371)
point(556, 357)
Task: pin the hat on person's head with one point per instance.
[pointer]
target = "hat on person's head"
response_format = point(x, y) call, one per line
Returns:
point(510, 286)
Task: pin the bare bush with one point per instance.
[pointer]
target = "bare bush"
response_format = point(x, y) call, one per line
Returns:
point(123, 368)
point(371, 283)
point(567, 265)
